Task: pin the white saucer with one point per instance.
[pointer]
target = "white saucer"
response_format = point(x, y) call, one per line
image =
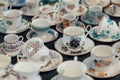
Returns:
point(103, 3)
point(112, 71)
point(4, 52)
point(89, 44)
point(10, 77)
point(29, 12)
point(49, 36)
point(6, 29)
point(96, 37)
point(90, 20)
point(108, 10)
point(116, 46)
point(56, 59)
point(85, 77)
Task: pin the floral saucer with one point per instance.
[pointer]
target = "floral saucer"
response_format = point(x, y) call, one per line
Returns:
point(111, 71)
point(103, 3)
point(89, 44)
point(55, 59)
point(48, 37)
point(116, 46)
point(30, 12)
point(109, 10)
point(90, 20)
point(93, 34)
point(84, 77)
point(7, 30)
point(4, 52)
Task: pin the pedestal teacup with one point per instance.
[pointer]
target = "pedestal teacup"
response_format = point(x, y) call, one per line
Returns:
point(116, 6)
point(103, 56)
point(12, 19)
point(71, 70)
point(74, 37)
point(12, 43)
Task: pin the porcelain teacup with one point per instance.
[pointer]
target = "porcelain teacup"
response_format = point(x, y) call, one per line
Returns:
point(12, 18)
point(12, 43)
point(70, 6)
point(103, 56)
point(40, 26)
point(71, 70)
point(67, 19)
point(27, 70)
point(74, 37)
point(116, 6)
point(4, 64)
point(35, 50)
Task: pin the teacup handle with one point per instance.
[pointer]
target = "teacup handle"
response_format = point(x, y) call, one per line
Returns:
point(88, 31)
point(35, 17)
point(21, 39)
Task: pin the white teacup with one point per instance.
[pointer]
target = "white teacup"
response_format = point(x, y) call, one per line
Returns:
point(27, 71)
point(40, 26)
point(71, 70)
point(4, 63)
point(74, 37)
point(12, 43)
point(70, 6)
point(103, 56)
point(13, 18)
point(116, 6)
point(67, 19)
point(35, 50)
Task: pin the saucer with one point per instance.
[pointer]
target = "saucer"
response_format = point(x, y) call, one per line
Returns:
point(108, 10)
point(4, 52)
point(90, 20)
point(116, 46)
point(18, 4)
point(103, 3)
point(112, 71)
point(49, 36)
point(6, 29)
point(55, 59)
point(10, 77)
point(84, 77)
point(89, 44)
point(29, 12)
point(100, 38)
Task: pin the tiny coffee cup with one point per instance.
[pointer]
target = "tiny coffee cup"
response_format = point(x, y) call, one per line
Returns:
point(12, 42)
point(67, 19)
point(13, 18)
point(103, 56)
point(74, 37)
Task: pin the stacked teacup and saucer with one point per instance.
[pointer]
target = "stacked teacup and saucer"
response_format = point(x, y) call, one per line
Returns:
point(106, 31)
point(12, 22)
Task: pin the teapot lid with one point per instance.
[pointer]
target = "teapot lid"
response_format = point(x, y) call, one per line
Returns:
point(25, 67)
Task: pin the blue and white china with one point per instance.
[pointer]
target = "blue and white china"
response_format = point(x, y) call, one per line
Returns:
point(5, 27)
point(12, 43)
point(89, 44)
point(51, 35)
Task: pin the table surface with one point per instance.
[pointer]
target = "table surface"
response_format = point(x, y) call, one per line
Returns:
point(50, 45)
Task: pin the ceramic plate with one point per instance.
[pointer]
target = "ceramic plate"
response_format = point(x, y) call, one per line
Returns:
point(55, 60)
point(29, 12)
point(10, 77)
point(85, 77)
point(24, 26)
point(2, 51)
point(89, 20)
point(89, 44)
point(108, 10)
point(103, 3)
point(112, 71)
point(116, 46)
point(96, 37)
point(50, 36)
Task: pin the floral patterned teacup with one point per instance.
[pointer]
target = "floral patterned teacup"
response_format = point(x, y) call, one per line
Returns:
point(74, 37)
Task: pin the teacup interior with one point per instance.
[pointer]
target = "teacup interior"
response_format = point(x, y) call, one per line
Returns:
point(73, 30)
point(11, 38)
point(71, 69)
point(102, 51)
point(13, 13)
